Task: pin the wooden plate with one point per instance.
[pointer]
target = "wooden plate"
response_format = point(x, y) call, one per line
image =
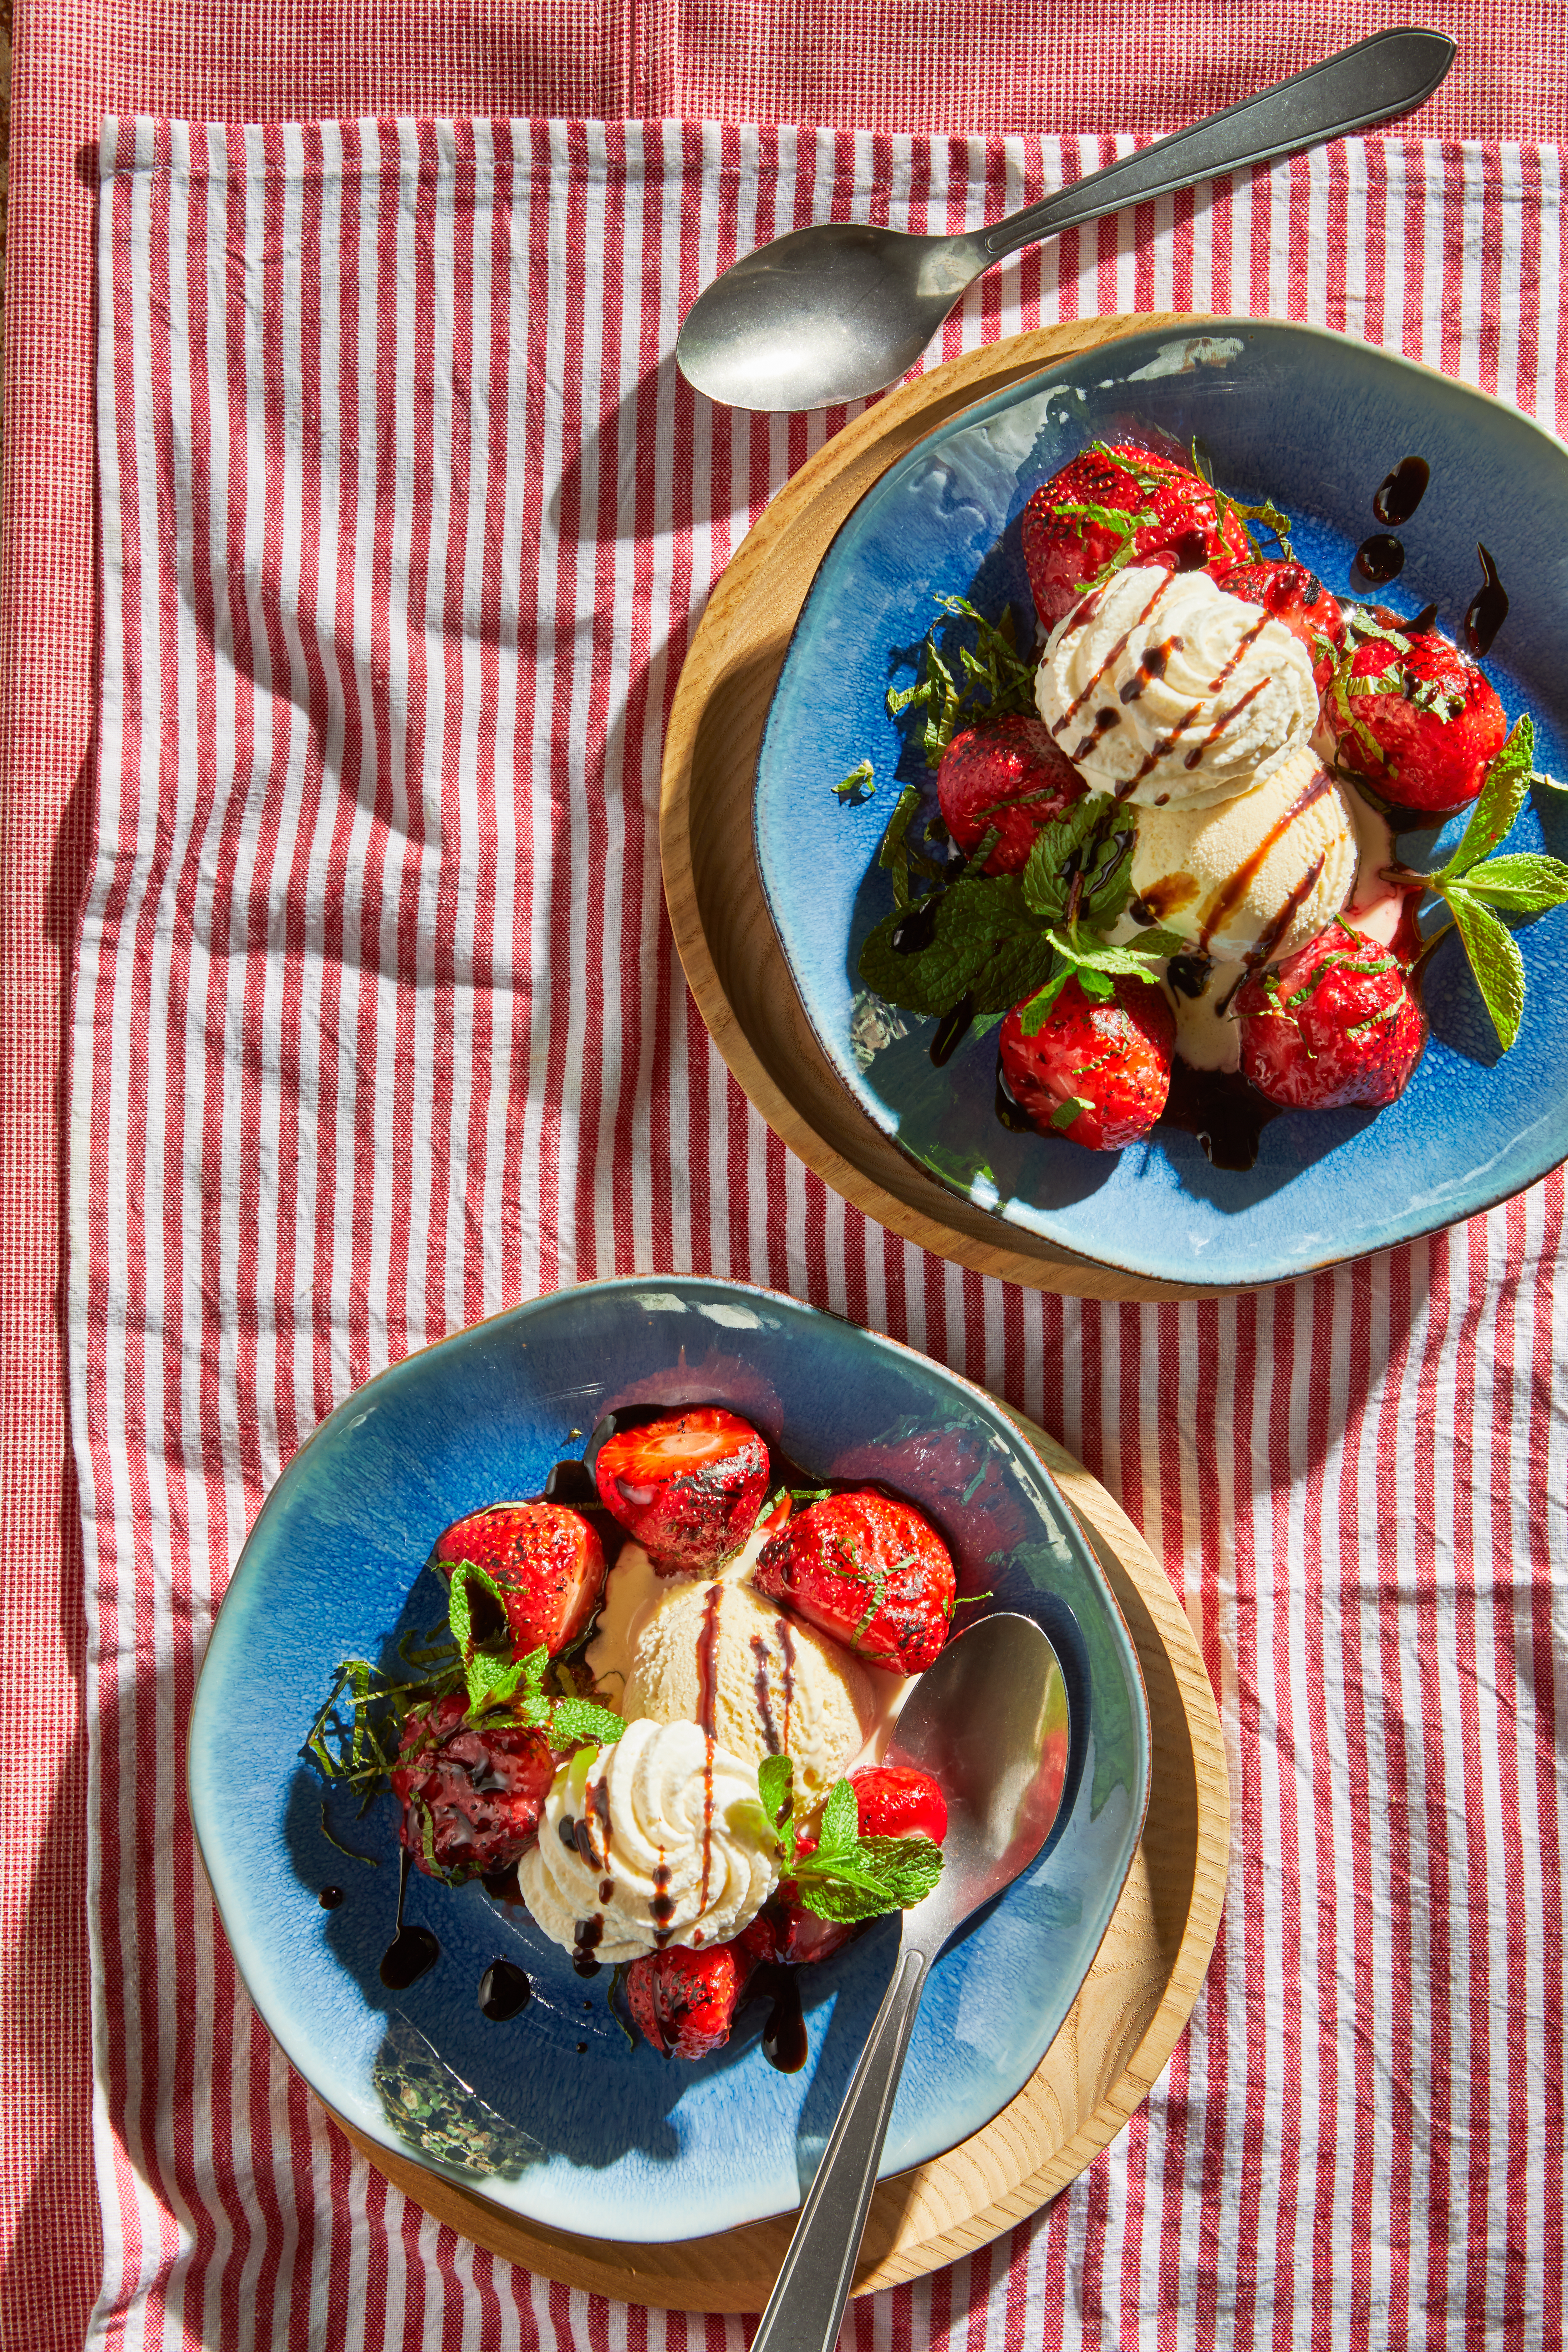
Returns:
point(722, 929)
point(1130, 2010)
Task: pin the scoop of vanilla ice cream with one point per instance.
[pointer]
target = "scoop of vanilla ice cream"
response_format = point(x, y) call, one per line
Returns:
point(1256, 877)
point(659, 1838)
point(776, 1686)
point(1162, 689)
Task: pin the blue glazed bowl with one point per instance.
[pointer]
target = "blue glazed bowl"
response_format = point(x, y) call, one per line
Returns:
point(1316, 421)
point(552, 2114)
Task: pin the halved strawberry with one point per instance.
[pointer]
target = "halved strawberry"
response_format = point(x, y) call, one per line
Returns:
point(1085, 517)
point(1338, 1023)
point(1097, 1070)
point(547, 1559)
point(1009, 774)
point(1411, 716)
point(868, 1572)
point(687, 1486)
point(471, 1794)
point(1296, 597)
point(683, 2002)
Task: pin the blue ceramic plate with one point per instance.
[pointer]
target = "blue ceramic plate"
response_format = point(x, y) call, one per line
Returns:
point(1316, 421)
point(552, 2114)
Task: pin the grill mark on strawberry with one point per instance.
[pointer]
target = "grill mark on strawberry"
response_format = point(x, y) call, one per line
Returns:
point(1231, 892)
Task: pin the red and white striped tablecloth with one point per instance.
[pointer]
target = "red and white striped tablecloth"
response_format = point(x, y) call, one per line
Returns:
point(405, 522)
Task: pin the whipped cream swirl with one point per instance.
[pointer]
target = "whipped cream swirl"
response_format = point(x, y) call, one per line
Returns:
point(1165, 692)
point(659, 1838)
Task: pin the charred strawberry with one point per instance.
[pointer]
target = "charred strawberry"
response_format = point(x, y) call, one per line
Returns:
point(896, 1800)
point(869, 1572)
point(1296, 597)
point(1098, 1070)
point(471, 1794)
point(683, 2002)
point(1337, 1024)
point(547, 1559)
point(687, 1488)
point(1008, 775)
point(1121, 502)
point(1411, 716)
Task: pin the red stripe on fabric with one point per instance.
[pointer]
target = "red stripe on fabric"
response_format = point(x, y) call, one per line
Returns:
point(1291, 1762)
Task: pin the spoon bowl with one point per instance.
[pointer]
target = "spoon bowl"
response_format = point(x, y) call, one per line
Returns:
point(990, 1722)
point(842, 309)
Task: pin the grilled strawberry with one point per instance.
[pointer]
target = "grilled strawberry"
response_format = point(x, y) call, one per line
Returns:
point(471, 1794)
point(1296, 597)
point(547, 1559)
point(1076, 523)
point(683, 2002)
point(898, 1800)
point(1110, 1058)
point(867, 1571)
point(1411, 715)
point(1337, 1023)
point(687, 1486)
point(1009, 774)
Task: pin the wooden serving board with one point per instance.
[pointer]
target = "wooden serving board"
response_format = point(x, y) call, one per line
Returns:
point(722, 929)
point(1130, 2010)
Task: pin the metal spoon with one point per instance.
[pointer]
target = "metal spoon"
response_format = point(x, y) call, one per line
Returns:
point(839, 310)
point(989, 1720)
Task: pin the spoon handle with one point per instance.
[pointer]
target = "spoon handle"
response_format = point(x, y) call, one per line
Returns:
point(1388, 74)
point(808, 2300)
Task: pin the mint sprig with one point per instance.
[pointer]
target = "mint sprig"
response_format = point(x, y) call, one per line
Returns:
point(984, 679)
point(1475, 886)
point(495, 1679)
point(848, 1877)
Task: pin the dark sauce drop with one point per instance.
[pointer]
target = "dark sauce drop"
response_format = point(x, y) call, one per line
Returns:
point(571, 1483)
point(1399, 494)
point(918, 928)
point(1009, 1112)
point(1487, 610)
point(1189, 974)
point(951, 1030)
point(590, 1934)
point(1422, 623)
point(330, 1898)
point(504, 1991)
point(582, 2049)
point(1190, 551)
point(1380, 558)
point(412, 1949)
point(502, 1885)
point(784, 2035)
point(1226, 1115)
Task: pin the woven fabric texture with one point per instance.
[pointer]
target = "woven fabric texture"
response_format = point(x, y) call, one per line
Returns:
point(1128, 64)
point(405, 521)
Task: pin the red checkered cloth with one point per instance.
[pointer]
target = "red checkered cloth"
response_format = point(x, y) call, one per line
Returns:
point(405, 522)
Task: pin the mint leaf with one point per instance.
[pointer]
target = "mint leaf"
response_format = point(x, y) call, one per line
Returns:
point(1524, 883)
point(1065, 1113)
point(574, 1722)
point(1495, 960)
point(897, 854)
point(857, 786)
point(840, 1830)
point(984, 944)
point(868, 1877)
point(776, 1787)
point(1033, 1015)
point(1088, 850)
point(1501, 797)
